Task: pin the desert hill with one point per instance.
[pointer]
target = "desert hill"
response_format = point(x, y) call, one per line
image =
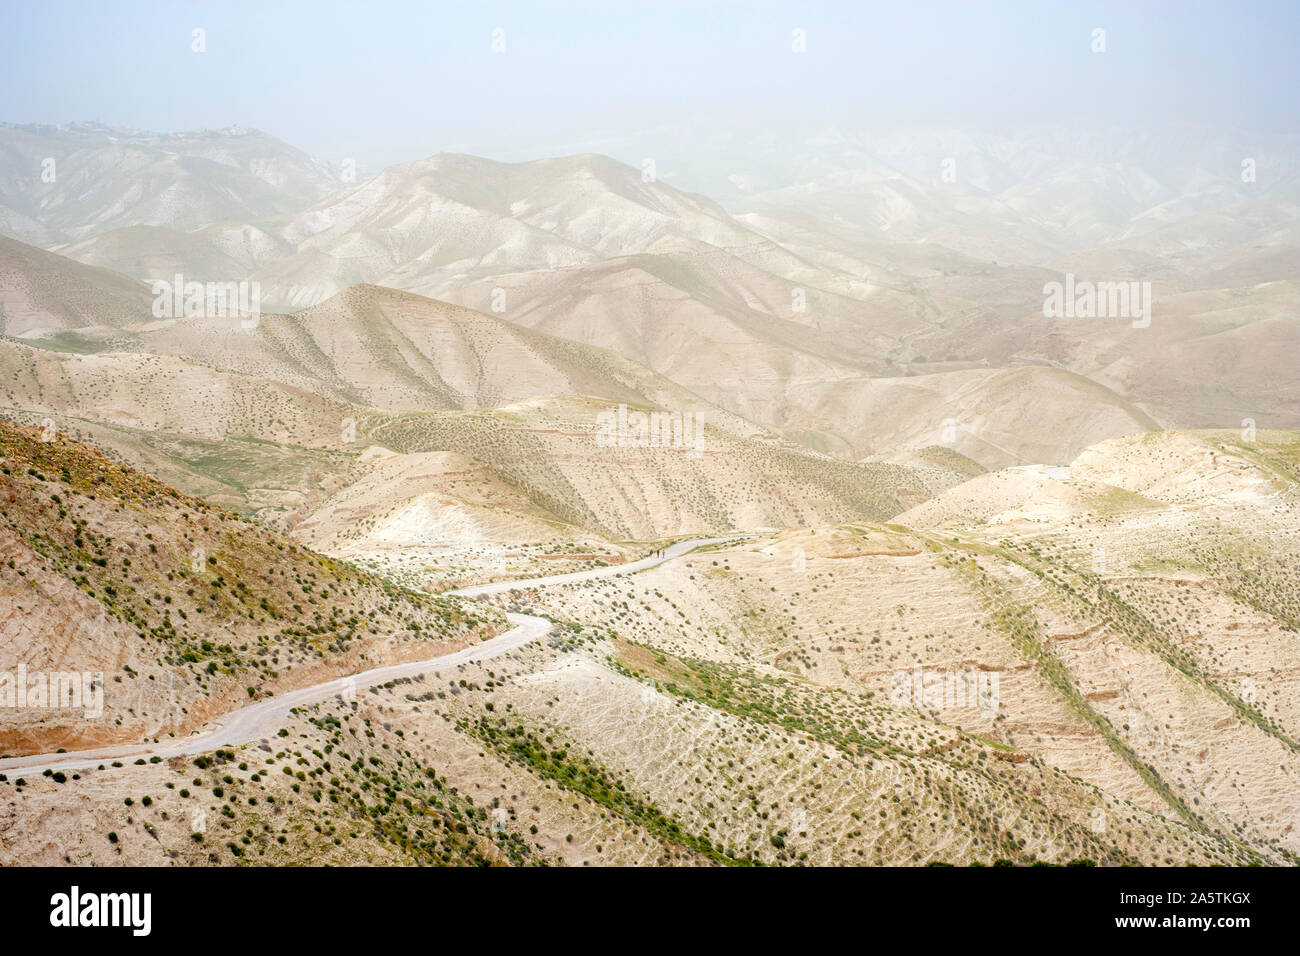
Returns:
point(185, 609)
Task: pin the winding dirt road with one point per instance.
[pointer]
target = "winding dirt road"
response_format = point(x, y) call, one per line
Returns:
point(263, 719)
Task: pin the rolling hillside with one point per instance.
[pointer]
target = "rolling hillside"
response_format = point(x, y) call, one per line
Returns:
point(181, 609)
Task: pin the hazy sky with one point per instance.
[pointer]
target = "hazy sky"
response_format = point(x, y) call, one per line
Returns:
point(390, 81)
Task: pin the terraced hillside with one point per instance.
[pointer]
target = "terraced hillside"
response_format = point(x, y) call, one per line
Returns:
point(552, 452)
point(968, 595)
point(595, 751)
point(246, 444)
point(742, 706)
point(184, 608)
point(441, 518)
point(1140, 629)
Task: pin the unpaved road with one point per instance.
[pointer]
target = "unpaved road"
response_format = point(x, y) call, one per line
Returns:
point(263, 719)
point(672, 551)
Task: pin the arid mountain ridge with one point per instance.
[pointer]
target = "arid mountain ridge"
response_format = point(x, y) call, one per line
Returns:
point(837, 336)
point(920, 477)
